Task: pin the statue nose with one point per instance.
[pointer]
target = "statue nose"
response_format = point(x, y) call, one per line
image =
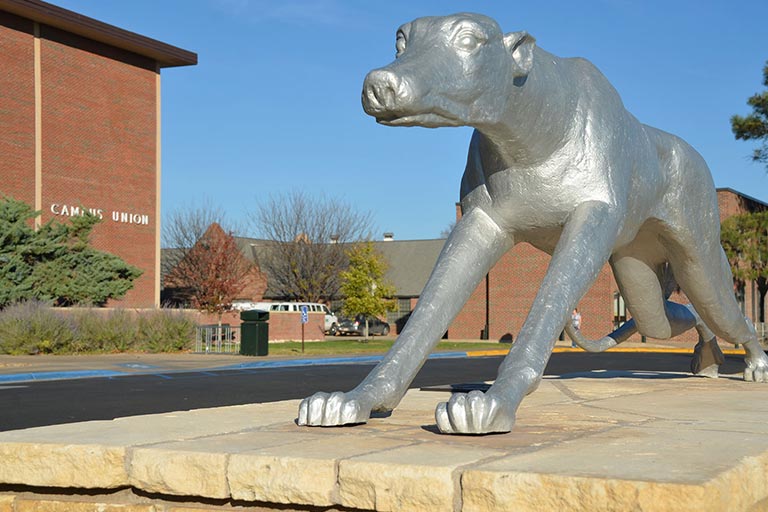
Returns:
point(383, 90)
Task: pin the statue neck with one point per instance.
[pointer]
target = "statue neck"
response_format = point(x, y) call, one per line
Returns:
point(538, 118)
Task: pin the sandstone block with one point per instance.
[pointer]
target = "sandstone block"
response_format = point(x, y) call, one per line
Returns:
point(44, 505)
point(52, 465)
point(6, 503)
point(305, 474)
point(422, 477)
point(181, 473)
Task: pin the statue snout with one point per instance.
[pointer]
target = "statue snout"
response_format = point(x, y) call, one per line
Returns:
point(385, 93)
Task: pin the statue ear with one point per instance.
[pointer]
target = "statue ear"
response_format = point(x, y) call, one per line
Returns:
point(520, 46)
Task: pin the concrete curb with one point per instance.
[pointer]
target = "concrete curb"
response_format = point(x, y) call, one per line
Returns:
point(629, 442)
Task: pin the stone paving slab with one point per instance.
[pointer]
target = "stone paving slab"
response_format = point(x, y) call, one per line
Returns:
point(643, 442)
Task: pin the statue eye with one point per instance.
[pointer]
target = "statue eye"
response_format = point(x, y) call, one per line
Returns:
point(399, 44)
point(467, 41)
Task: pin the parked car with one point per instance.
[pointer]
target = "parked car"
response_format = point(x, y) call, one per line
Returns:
point(356, 326)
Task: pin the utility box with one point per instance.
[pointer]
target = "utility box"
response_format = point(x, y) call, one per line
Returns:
point(254, 333)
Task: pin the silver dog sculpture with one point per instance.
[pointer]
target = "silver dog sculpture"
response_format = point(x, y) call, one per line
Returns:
point(555, 160)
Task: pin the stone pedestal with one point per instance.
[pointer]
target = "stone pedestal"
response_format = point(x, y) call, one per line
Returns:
point(604, 442)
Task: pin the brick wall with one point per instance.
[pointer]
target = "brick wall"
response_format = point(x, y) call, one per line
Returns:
point(732, 203)
point(98, 139)
point(283, 325)
point(286, 326)
point(99, 147)
point(513, 284)
point(17, 108)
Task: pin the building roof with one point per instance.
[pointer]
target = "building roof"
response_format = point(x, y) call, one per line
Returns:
point(759, 203)
point(48, 14)
point(409, 262)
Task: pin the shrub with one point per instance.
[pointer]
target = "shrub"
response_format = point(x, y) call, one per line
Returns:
point(33, 327)
point(165, 330)
point(105, 331)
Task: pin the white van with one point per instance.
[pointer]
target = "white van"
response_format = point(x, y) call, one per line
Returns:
point(247, 305)
point(331, 325)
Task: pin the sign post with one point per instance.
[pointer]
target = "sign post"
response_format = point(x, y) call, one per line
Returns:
point(304, 320)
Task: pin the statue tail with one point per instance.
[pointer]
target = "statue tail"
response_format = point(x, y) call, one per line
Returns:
point(629, 328)
point(618, 336)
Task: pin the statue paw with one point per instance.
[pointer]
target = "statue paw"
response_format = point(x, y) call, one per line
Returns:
point(334, 409)
point(707, 358)
point(710, 372)
point(756, 372)
point(474, 413)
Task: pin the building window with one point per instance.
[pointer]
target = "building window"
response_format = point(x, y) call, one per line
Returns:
point(400, 315)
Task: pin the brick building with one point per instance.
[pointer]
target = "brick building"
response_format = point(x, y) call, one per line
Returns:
point(499, 305)
point(506, 296)
point(80, 128)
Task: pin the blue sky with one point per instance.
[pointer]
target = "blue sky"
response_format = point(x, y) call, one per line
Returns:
point(274, 103)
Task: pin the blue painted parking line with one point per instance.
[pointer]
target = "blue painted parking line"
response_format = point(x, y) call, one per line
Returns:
point(164, 373)
point(42, 376)
point(326, 361)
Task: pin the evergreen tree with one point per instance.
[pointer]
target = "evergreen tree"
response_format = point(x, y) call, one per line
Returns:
point(56, 263)
point(745, 241)
point(755, 125)
point(363, 285)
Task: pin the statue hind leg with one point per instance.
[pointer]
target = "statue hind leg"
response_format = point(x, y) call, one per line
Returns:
point(705, 276)
point(646, 281)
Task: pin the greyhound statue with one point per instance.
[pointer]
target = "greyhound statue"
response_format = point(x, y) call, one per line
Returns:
point(555, 160)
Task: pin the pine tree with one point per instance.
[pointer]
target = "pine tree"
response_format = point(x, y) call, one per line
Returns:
point(56, 263)
point(755, 125)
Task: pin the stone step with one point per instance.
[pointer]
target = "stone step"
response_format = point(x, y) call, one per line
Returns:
point(599, 442)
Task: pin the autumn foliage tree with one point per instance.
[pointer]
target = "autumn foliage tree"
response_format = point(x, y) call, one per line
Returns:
point(745, 241)
point(213, 272)
point(363, 286)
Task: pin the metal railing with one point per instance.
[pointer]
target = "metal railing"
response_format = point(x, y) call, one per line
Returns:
point(209, 340)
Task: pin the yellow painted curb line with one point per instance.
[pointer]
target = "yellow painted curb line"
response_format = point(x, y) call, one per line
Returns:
point(485, 353)
point(503, 352)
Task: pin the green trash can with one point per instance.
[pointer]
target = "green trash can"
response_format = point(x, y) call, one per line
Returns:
point(254, 333)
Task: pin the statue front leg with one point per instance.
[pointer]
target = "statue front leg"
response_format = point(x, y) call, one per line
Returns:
point(584, 247)
point(473, 247)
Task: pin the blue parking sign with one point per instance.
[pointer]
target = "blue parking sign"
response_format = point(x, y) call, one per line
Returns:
point(304, 314)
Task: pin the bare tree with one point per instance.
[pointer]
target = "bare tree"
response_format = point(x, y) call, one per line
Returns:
point(185, 226)
point(194, 260)
point(304, 243)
